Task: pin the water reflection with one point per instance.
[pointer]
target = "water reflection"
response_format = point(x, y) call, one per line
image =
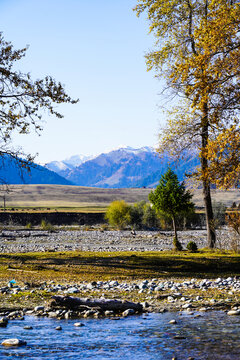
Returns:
point(214, 335)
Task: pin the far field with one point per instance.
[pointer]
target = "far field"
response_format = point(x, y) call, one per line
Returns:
point(79, 198)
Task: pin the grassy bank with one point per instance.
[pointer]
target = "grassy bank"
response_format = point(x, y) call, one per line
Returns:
point(89, 266)
point(74, 267)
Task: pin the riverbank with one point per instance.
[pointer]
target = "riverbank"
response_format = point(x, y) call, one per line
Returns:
point(87, 238)
point(143, 269)
point(155, 295)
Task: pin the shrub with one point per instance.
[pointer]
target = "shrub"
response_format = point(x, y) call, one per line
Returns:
point(177, 246)
point(118, 214)
point(192, 246)
point(136, 212)
point(143, 215)
point(46, 226)
point(150, 218)
point(29, 226)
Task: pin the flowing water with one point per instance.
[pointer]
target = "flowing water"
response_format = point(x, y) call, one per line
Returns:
point(214, 335)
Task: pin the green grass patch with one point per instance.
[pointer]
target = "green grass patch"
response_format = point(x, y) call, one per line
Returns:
point(88, 266)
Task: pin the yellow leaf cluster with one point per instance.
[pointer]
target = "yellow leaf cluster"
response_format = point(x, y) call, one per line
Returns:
point(197, 51)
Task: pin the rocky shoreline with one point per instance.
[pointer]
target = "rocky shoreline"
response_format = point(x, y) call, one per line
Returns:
point(154, 295)
point(107, 299)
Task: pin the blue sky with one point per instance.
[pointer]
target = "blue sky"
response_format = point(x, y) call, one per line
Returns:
point(96, 48)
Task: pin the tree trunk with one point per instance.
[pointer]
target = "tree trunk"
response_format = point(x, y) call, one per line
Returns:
point(174, 227)
point(211, 236)
point(74, 303)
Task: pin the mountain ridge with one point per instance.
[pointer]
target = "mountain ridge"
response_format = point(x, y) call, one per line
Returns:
point(12, 173)
point(126, 167)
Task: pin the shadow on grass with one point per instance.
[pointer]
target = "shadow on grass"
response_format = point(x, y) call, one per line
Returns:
point(134, 265)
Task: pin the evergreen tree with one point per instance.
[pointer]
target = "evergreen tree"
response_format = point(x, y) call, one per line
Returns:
point(171, 198)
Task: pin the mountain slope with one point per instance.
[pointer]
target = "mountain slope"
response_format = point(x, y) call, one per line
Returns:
point(10, 173)
point(125, 167)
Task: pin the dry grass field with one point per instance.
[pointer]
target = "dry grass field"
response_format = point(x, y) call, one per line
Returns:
point(226, 197)
point(88, 199)
point(66, 197)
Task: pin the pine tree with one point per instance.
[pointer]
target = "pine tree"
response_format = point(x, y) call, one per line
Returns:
point(171, 198)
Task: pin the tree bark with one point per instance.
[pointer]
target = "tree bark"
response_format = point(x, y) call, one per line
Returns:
point(174, 227)
point(211, 235)
point(74, 303)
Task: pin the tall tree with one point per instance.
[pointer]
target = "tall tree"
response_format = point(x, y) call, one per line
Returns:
point(197, 51)
point(171, 198)
point(22, 101)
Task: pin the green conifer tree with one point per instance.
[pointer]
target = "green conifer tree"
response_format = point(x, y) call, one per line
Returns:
point(171, 198)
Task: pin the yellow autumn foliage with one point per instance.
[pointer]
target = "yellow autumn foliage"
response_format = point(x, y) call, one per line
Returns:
point(197, 53)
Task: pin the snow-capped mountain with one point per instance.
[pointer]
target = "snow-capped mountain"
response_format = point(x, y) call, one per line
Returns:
point(123, 167)
point(67, 164)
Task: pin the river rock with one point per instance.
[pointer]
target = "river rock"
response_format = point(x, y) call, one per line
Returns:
point(14, 314)
point(28, 327)
point(145, 304)
point(89, 313)
point(186, 306)
point(128, 312)
point(109, 313)
point(78, 324)
point(172, 321)
point(58, 328)
point(3, 322)
point(52, 314)
point(233, 312)
point(72, 290)
point(39, 308)
point(13, 342)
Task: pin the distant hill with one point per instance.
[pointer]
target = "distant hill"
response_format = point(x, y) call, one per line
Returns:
point(10, 173)
point(124, 168)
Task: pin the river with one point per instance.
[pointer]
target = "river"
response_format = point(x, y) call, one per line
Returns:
point(213, 335)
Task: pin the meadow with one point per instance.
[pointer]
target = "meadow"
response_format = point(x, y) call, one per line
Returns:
point(86, 199)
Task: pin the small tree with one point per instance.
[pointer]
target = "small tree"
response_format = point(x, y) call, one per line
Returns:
point(150, 218)
point(171, 198)
point(143, 215)
point(118, 214)
point(136, 214)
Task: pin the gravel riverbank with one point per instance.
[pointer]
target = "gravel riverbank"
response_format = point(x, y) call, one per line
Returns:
point(34, 241)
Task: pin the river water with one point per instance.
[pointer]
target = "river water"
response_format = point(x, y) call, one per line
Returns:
point(214, 335)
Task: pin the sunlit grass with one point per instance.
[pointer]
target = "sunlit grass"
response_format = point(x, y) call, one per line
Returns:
point(88, 266)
